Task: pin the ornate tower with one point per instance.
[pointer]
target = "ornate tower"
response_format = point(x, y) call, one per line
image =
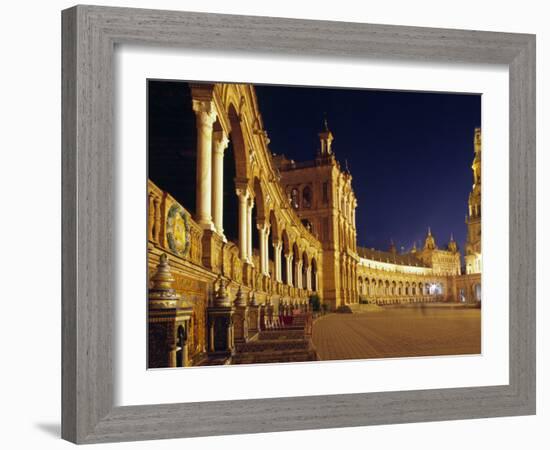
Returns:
point(328, 211)
point(429, 244)
point(452, 247)
point(473, 221)
point(326, 138)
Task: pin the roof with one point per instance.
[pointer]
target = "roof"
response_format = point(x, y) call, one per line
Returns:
point(402, 259)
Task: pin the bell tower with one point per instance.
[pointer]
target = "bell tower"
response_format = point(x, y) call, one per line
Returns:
point(326, 138)
point(473, 220)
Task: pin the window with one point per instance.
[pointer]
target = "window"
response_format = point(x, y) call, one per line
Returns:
point(307, 224)
point(307, 197)
point(325, 192)
point(294, 198)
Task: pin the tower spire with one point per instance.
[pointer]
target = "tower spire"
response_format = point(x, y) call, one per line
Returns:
point(326, 138)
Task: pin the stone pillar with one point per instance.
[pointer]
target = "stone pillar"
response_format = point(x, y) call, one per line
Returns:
point(253, 315)
point(308, 281)
point(166, 312)
point(243, 223)
point(240, 318)
point(220, 142)
point(220, 322)
point(289, 268)
point(277, 250)
point(250, 205)
point(206, 115)
point(263, 231)
point(299, 274)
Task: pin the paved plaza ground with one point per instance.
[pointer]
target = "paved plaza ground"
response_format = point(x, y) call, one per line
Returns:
point(390, 332)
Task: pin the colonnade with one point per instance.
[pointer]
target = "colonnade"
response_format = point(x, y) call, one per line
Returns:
point(212, 142)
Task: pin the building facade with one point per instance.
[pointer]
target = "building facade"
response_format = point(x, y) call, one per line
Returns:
point(237, 234)
point(468, 286)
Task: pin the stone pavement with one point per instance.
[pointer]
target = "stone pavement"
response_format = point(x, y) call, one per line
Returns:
point(398, 332)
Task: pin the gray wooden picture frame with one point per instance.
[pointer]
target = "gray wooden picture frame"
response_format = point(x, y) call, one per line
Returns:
point(89, 37)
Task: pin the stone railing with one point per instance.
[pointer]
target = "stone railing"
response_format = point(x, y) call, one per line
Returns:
point(171, 227)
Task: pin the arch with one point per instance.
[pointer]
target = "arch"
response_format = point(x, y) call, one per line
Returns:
point(295, 260)
point(286, 251)
point(477, 292)
point(237, 138)
point(260, 199)
point(314, 274)
point(275, 226)
point(305, 265)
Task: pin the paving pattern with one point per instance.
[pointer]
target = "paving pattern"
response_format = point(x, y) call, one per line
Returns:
point(398, 332)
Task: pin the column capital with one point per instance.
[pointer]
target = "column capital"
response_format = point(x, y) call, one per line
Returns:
point(263, 224)
point(242, 193)
point(205, 111)
point(220, 141)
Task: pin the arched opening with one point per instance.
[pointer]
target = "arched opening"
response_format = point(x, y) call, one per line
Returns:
point(273, 239)
point(286, 251)
point(230, 199)
point(258, 218)
point(436, 289)
point(307, 197)
point(477, 292)
point(295, 261)
point(255, 234)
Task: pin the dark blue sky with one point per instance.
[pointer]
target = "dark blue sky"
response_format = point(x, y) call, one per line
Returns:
point(409, 153)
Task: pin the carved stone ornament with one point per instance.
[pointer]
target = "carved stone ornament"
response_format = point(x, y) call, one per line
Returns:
point(161, 294)
point(178, 231)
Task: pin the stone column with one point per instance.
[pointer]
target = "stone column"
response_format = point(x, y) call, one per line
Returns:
point(250, 205)
point(266, 249)
point(243, 223)
point(277, 250)
point(289, 268)
point(219, 145)
point(263, 231)
point(299, 274)
point(206, 115)
point(308, 281)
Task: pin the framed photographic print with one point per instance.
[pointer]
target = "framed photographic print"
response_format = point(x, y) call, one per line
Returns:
point(266, 229)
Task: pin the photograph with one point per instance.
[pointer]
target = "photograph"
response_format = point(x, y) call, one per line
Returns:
point(289, 224)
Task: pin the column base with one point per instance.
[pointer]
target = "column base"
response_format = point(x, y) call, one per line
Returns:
point(206, 224)
point(212, 251)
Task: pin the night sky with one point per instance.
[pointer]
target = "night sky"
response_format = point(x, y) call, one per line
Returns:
point(409, 153)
